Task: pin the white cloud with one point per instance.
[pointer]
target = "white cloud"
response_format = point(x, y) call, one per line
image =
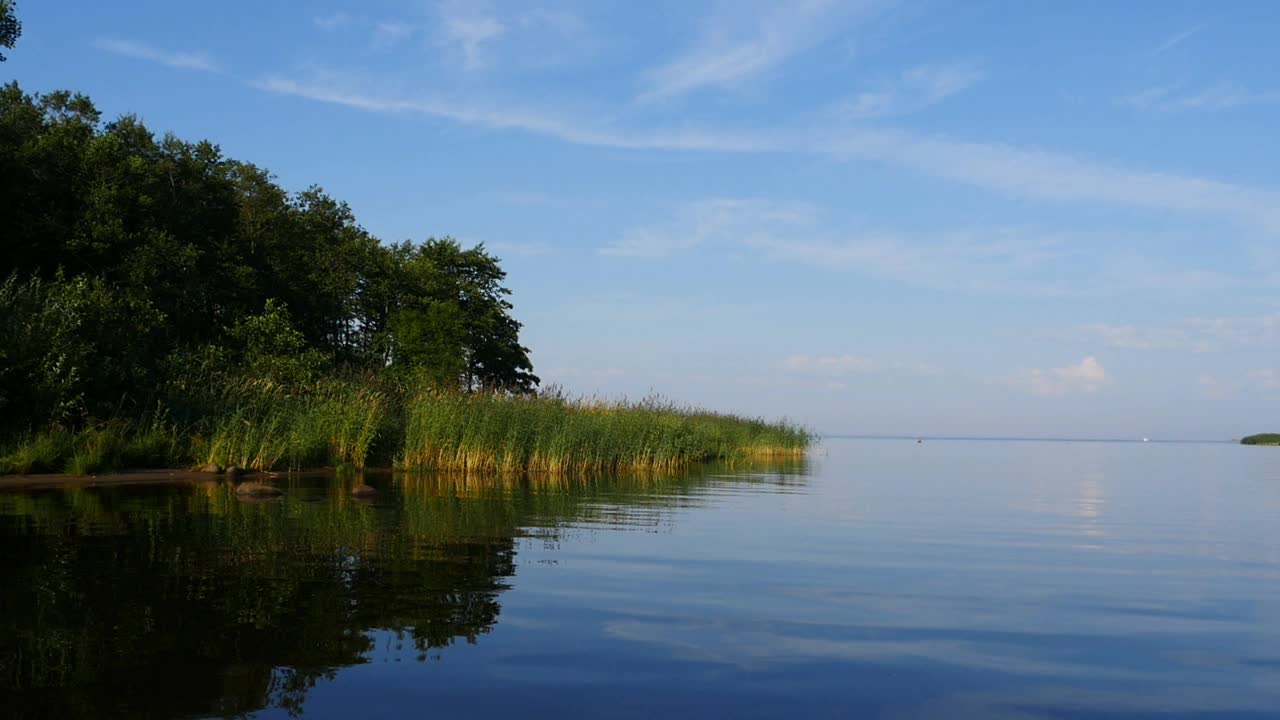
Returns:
point(1086, 377)
point(1223, 96)
point(913, 90)
point(987, 261)
point(1263, 379)
point(1266, 379)
point(1176, 39)
point(835, 366)
point(388, 34)
point(1192, 335)
point(557, 21)
point(518, 249)
point(468, 29)
point(728, 55)
point(174, 59)
point(333, 21)
point(1147, 97)
point(709, 222)
point(1015, 171)
point(1058, 177)
point(1131, 337)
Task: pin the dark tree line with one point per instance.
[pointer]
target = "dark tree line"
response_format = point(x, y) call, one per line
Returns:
point(127, 258)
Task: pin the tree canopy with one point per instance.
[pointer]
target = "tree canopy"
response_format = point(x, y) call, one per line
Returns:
point(128, 257)
point(10, 26)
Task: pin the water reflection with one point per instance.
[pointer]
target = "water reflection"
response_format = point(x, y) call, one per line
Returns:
point(188, 601)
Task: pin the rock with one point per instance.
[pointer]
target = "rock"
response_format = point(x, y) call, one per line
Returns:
point(257, 490)
point(214, 468)
point(364, 491)
point(232, 471)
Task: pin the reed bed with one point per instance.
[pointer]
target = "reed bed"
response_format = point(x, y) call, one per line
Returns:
point(555, 434)
point(98, 447)
point(254, 424)
point(268, 427)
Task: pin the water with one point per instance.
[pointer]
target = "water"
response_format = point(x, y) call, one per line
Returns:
point(882, 579)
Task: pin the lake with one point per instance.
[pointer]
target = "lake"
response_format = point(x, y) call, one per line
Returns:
point(879, 578)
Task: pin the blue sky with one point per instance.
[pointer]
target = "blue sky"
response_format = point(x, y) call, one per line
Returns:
point(980, 218)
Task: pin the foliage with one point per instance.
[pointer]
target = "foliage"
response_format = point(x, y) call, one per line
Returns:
point(1261, 439)
point(148, 277)
point(66, 348)
point(10, 26)
point(259, 423)
point(554, 434)
point(135, 265)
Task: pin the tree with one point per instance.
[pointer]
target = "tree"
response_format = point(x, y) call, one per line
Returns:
point(450, 296)
point(10, 27)
point(171, 255)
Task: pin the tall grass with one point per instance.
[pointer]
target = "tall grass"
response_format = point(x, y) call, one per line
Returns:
point(267, 427)
point(100, 447)
point(552, 433)
point(255, 424)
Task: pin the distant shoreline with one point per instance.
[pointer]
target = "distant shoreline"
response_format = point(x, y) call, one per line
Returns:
point(1261, 439)
point(975, 438)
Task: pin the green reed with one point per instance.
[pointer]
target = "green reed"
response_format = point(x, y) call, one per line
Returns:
point(98, 447)
point(552, 433)
point(263, 426)
point(255, 424)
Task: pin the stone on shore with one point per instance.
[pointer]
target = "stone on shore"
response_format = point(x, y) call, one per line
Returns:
point(257, 490)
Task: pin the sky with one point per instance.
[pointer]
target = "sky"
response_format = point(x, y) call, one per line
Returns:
point(881, 217)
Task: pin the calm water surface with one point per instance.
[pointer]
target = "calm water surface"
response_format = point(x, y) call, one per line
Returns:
point(881, 579)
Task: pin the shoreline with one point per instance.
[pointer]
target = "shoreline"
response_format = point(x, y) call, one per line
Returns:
point(159, 476)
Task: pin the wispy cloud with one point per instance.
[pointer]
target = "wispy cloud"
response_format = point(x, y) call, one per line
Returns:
point(1176, 39)
point(1265, 379)
point(389, 33)
point(468, 29)
point(749, 40)
point(332, 21)
point(1223, 96)
point(1088, 376)
point(1254, 381)
point(175, 59)
point(1015, 171)
point(1192, 335)
point(519, 249)
point(837, 372)
point(1055, 176)
point(913, 90)
point(712, 221)
point(506, 117)
point(1000, 261)
point(830, 365)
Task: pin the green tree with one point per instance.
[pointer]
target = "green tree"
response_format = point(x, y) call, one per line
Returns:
point(66, 349)
point(10, 27)
point(473, 316)
point(181, 251)
point(269, 346)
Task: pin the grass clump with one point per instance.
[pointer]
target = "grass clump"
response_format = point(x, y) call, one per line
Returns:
point(552, 433)
point(266, 426)
point(102, 447)
point(258, 424)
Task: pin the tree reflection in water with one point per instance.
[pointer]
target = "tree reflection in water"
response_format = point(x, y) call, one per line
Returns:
point(183, 600)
